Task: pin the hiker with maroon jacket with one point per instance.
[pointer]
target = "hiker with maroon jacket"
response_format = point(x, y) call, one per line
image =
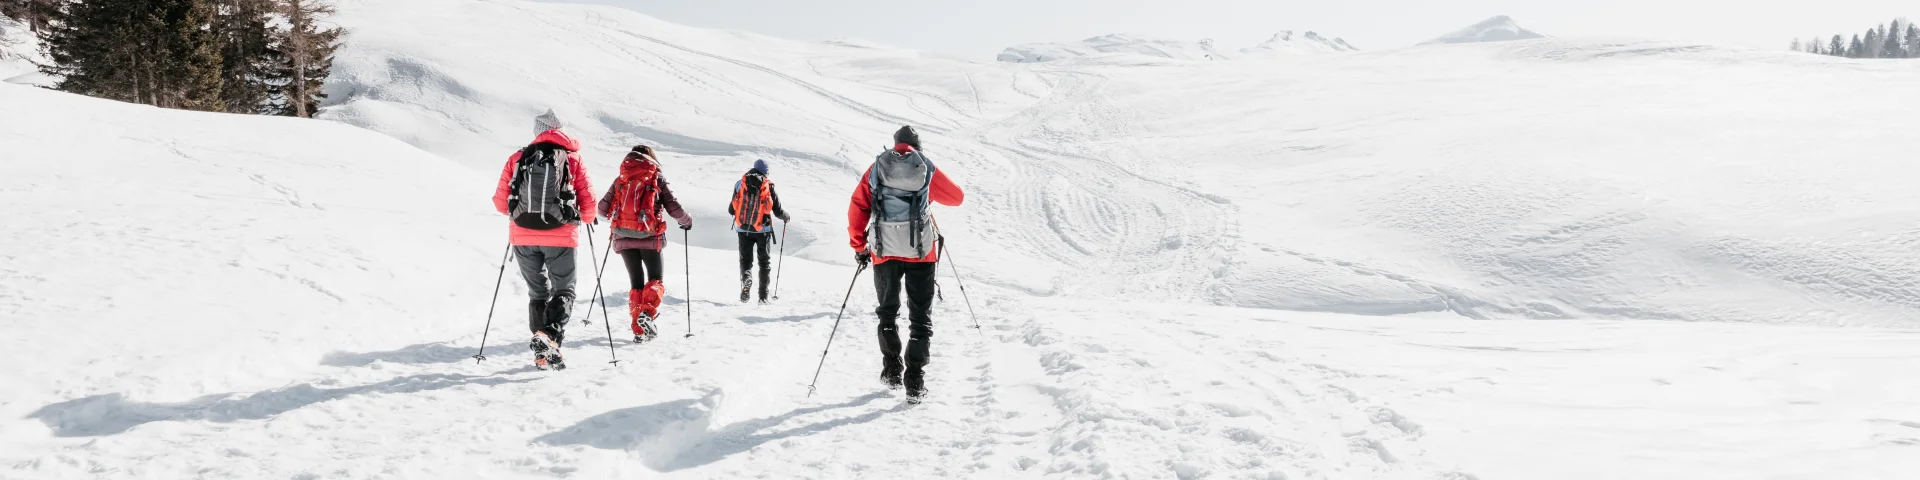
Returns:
point(540, 188)
point(634, 205)
point(889, 225)
point(755, 205)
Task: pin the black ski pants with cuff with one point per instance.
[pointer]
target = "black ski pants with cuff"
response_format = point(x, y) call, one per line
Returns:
point(916, 279)
point(549, 272)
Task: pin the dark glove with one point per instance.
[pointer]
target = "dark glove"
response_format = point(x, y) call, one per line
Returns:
point(686, 226)
point(862, 258)
point(783, 216)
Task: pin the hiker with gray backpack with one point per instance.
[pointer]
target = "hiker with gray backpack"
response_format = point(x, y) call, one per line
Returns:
point(540, 189)
point(890, 225)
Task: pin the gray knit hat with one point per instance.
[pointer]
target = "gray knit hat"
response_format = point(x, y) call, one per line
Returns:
point(546, 121)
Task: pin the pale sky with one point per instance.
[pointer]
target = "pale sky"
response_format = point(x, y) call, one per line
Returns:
point(979, 29)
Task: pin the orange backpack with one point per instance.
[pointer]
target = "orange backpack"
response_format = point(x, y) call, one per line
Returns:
point(752, 202)
point(636, 196)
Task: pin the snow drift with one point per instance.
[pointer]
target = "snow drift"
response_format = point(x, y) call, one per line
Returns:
point(1496, 29)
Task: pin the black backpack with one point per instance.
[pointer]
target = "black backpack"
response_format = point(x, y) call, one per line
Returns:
point(542, 196)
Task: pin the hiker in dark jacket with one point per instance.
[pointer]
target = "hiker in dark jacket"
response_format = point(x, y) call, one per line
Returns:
point(755, 205)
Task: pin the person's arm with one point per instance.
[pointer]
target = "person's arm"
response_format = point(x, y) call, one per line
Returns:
point(859, 211)
point(778, 212)
point(672, 205)
point(733, 195)
point(582, 184)
point(505, 189)
point(944, 192)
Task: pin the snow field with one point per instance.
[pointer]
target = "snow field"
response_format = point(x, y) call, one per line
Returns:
point(1172, 261)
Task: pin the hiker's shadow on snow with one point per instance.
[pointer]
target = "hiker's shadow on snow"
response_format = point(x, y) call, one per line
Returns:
point(113, 413)
point(673, 435)
point(789, 318)
point(421, 354)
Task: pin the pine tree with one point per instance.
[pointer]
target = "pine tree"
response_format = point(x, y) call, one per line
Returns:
point(308, 56)
point(194, 52)
point(36, 14)
point(247, 54)
point(1856, 49)
point(1913, 40)
point(1838, 48)
point(1796, 46)
point(1870, 44)
point(156, 52)
point(1890, 45)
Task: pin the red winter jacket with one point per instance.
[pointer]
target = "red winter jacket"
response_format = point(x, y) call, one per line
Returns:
point(559, 237)
point(942, 191)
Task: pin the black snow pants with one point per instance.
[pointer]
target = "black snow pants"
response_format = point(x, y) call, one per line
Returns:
point(917, 277)
point(642, 266)
point(549, 272)
point(758, 245)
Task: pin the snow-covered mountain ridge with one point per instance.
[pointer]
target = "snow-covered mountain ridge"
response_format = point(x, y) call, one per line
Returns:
point(1497, 29)
point(1281, 44)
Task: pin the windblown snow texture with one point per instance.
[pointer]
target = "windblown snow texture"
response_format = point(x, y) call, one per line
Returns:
point(1183, 269)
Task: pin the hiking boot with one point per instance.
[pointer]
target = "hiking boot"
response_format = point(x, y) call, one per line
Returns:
point(890, 376)
point(643, 329)
point(546, 353)
point(916, 383)
point(746, 287)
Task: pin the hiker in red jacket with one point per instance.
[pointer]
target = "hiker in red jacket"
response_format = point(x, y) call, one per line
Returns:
point(634, 205)
point(540, 188)
point(889, 225)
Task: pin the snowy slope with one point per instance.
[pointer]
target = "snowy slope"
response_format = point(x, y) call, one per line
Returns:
point(1114, 44)
point(1105, 181)
point(20, 54)
point(1282, 44)
point(1172, 263)
point(1496, 29)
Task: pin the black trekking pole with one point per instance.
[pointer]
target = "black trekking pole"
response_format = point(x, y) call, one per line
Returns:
point(956, 279)
point(836, 329)
point(482, 356)
point(783, 259)
point(686, 245)
point(597, 296)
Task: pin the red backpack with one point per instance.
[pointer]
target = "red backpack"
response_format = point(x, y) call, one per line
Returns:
point(753, 202)
point(636, 197)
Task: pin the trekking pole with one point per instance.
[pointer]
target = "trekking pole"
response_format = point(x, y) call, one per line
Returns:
point(495, 303)
point(686, 245)
point(836, 329)
point(962, 283)
point(598, 277)
point(597, 296)
point(783, 259)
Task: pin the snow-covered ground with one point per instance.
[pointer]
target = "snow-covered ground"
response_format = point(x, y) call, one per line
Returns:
point(1314, 267)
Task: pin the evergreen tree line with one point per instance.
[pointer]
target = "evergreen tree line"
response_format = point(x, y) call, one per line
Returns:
point(239, 56)
point(1898, 39)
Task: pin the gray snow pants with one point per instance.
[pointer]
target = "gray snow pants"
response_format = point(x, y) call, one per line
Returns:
point(549, 275)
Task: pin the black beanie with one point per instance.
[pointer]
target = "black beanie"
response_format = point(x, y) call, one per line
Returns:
point(907, 136)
